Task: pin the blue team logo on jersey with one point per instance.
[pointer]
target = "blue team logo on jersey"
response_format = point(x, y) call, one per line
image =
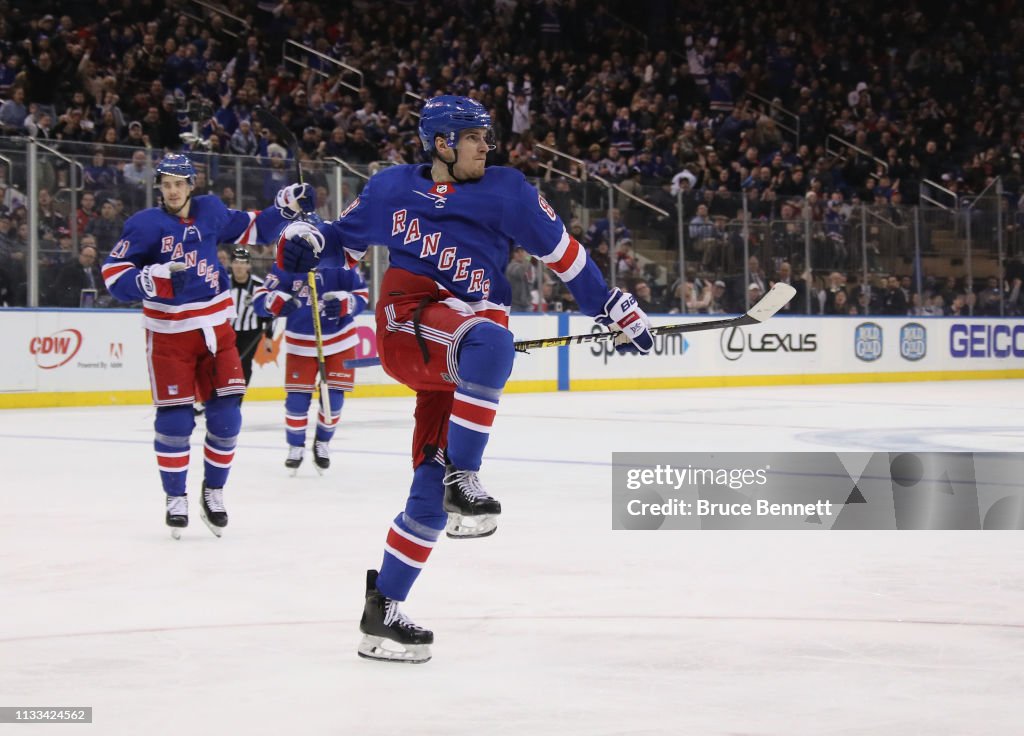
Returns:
point(913, 341)
point(867, 341)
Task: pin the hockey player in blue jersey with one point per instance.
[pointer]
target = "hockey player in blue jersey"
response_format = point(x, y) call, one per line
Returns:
point(167, 259)
point(441, 330)
point(343, 295)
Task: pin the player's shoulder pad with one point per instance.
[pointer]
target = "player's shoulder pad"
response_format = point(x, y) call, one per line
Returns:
point(392, 174)
point(506, 177)
point(209, 204)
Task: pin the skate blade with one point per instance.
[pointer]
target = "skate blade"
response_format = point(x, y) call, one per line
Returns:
point(319, 470)
point(385, 650)
point(471, 527)
point(176, 532)
point(217, 530)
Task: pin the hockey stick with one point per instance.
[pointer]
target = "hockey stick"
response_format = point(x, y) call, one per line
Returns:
point(274, 124)
point(265, 331)
point(325, 399)
point(766, 308)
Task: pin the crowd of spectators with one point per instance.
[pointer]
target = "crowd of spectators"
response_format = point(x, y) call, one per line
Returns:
point(933, 91)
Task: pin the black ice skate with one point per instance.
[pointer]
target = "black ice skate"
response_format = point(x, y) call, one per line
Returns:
point(294, 458)
point(321, 456)
point(177, 514)
point(389, 635)
point(212, 509)
point(471, 510)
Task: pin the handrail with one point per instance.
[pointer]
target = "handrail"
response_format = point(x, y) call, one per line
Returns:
point(348, 167)
point(925, 198)
point(637, 31)
point(556, 152)
point(9, 162)
point(944, 190)
point(220, 10)
point(772, 105)
point(62, 157)
point(972, 202)
point(858, 149)
point(886, 220)
point(311, 51)
point(415, 96)
point(620, 190)
point(200, 20)
point(547, 177)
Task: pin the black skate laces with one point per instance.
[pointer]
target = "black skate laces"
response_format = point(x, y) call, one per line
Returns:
point(469, 483)
point(393, 615)
point(215, 499)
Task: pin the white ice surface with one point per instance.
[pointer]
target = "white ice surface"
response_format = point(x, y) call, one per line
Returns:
point(555, 625)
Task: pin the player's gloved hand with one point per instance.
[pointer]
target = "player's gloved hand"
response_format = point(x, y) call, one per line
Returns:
point(280, 304)
point(295, 199)
point(162, 280)
point(299, 247)
point(338, 304)
point(621, 312)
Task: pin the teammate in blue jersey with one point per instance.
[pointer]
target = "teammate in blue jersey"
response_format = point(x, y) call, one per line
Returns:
point(343, 295)
point(167, 259)
point(441, 330)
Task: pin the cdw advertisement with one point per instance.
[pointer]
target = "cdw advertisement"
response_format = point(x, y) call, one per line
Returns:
point(69, 351)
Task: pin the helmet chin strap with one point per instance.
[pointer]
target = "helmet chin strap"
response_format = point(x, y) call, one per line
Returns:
point(451, 165)
point(184, 204)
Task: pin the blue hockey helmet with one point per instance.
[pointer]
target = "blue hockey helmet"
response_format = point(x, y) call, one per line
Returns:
point(446, 115)
point(176, 164)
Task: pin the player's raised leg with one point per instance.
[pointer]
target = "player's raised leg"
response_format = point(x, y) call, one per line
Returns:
point(485, 361)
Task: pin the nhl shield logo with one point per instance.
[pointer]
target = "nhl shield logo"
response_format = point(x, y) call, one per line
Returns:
point(867, 341)
point(913, 341)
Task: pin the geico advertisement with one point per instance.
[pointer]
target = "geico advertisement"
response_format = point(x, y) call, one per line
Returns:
point(1003, 340)
point(72, 351)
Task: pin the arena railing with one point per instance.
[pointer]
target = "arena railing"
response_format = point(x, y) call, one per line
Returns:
point(776, 107)
point(925, 242)
point(341, 67)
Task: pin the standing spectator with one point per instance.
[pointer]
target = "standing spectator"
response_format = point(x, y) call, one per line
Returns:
point(13, 113)
point(520, 277)
point(243, 140)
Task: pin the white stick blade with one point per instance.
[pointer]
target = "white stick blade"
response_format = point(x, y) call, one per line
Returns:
point(777, 297)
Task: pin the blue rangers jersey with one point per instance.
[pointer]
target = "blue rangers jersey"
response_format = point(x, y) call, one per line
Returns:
point(299, 336)
point(154, 236)
point(460, 235)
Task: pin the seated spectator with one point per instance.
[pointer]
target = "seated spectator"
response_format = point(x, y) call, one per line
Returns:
point(78, 274)
point(13, 113)
point(99, 174)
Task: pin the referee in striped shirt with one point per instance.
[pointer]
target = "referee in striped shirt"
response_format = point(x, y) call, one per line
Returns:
point(248, 326)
